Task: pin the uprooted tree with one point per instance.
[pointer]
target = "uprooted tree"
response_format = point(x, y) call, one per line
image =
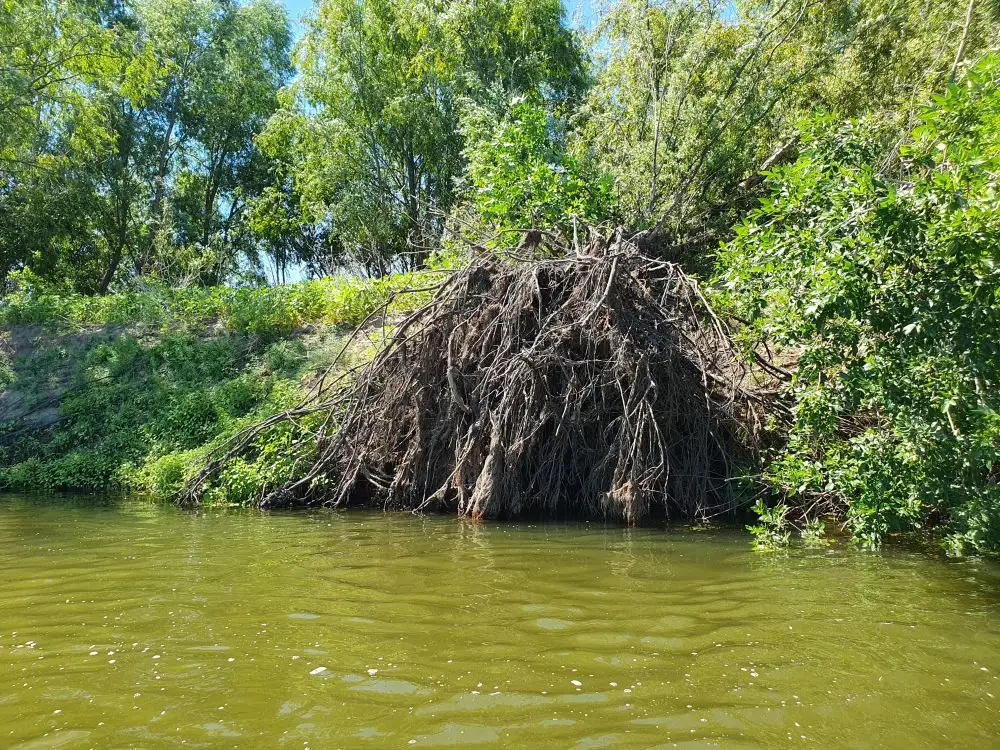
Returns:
point(595, 384)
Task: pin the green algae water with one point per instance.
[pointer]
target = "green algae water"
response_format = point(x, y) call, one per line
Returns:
point(142, 626)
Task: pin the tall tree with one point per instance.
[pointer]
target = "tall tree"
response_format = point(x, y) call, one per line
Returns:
point(372, 124)
point(693, 96)
point(223, 64)
point(127, 134)
point(53, 57)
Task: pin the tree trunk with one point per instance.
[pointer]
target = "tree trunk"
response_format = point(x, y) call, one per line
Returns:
point(211, 191)
point(116, 261)
point(123, 201)
point(163, 163)
point(413, 207)
point(960, 55)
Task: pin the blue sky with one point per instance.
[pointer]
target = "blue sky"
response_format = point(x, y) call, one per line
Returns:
point(295, 10)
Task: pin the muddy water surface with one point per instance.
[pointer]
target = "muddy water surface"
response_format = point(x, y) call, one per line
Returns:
point(137, 625)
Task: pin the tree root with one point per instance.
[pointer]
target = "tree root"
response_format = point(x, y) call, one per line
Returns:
point(597, 385)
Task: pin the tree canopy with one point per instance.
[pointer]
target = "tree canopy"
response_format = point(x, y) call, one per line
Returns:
point(127, 143)
point(186, 140)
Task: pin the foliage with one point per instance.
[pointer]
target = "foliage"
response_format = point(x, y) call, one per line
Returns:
point(264, 311)
point(127, 135)
point(886, 293)
point(772, 530)
point(521, 176)
point(52, 53)
point(367, 142)
point(814, 533)
point(691, 98)
point(148, 382)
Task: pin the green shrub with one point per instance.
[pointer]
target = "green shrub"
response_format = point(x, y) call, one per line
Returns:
point(270, 312)
point(29, 474)
point(165, 476)
point(187, 366)
point(275, 455)
point(522, 175)
point(284, 357)
point(171, 373)
point(887, 292)
point(772, 530)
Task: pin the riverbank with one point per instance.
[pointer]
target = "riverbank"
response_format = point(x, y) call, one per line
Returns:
point(129, 391)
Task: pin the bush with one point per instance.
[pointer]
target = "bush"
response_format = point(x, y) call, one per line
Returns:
point(522, 176)
point(887, 293)
point(264, 311)
point(165, 476)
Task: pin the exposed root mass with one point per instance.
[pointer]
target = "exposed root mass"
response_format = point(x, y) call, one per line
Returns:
point(596, 385)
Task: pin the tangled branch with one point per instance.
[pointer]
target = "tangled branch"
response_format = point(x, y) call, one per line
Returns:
point(600, 384)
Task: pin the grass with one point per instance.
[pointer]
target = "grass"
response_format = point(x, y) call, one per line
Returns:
point(130, 391)
point(268, 311)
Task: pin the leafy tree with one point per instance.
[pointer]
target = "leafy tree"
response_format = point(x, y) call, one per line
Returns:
point(522, 177)
point(224, 65)
point(692, 98)
point(284, 233)
point(371, 127)
point(55, 57)
point(52, 52)
point(886, 293)
point(130, 142)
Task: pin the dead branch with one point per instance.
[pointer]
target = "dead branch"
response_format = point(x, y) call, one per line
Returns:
point(599, 384)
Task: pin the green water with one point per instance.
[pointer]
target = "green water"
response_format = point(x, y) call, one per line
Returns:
point(141, 626)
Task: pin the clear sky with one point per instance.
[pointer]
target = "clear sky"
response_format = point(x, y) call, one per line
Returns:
point(295, 10)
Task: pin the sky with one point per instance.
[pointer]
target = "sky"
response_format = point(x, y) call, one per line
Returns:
point(295, 10)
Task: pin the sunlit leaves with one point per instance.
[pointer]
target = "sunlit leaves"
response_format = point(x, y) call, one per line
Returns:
point(521, 176)
point(885, 288)
point(106, 108)
point(371, 129)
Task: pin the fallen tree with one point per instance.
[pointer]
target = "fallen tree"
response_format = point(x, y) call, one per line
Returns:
point(594, 384)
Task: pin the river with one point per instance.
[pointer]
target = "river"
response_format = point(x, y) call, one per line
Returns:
point(129, 624)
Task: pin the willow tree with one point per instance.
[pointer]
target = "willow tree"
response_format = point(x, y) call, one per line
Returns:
point(692, 97)
point(52, 57)
point(127, 135)
point(220, 66)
